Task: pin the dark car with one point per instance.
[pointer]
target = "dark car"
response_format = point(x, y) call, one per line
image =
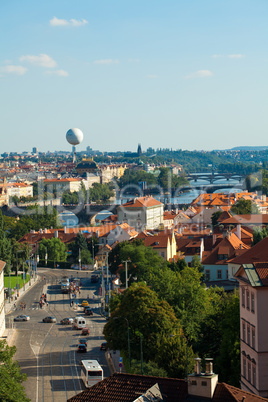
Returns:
point(49, 319)
point(85, 331)
point(82, 348)
point(88, 311)
point(104, 346)
point(83, 341)
point(66, 321)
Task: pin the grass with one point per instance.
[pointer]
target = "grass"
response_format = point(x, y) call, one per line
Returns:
point(14, 280)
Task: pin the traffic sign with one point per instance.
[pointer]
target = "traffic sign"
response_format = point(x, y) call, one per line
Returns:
point(120, 365)
point(120, 359)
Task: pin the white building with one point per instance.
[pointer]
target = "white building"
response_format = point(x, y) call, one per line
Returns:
point(143, 213)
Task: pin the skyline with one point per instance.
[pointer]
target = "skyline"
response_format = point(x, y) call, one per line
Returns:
point(180, 75)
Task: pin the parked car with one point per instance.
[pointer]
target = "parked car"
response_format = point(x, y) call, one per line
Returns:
point(49, 319)
point(83, 341)
point(66, 321)
point(85, 331)
point(22, 318)
point(82, 348)
point(84, 303)
point(88, 311)
point(104, 346)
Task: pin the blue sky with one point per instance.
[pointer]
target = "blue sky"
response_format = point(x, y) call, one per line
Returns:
point(180, 74)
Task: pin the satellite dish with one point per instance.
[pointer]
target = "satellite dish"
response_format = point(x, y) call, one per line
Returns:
point(74, 136)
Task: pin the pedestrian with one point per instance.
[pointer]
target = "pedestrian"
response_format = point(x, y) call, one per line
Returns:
point(47, 304)
point(15, 306)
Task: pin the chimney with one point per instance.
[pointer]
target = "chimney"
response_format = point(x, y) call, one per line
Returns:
point(45, 230)
point(56, 234)
point(214, 238)
point(238, 231)
point(197, 366)
point(209, 366)
point(65, 229)
point(202, 385)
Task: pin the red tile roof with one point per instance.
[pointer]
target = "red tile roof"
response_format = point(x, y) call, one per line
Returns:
point(257, 253)
point(249, 219)
point(121, 387)
point(142, 202)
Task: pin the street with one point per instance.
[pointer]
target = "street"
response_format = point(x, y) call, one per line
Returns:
point(47, 352)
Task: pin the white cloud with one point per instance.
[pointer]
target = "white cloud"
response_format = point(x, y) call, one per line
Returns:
point(217, 56)
point(200, 74)
point(236, 56)
point(57, 22)
point(60, 73)
point(106, 61)
point(152, 76)
point(11, 69)
point(43, 60)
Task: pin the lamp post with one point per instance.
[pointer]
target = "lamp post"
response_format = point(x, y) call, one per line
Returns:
point(128, 339)
point(126, 272)
point(46, 257)
point(9, 287)
point(79, 259)
point(17, 274)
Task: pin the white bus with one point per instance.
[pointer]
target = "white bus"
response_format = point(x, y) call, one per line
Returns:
point(91, 372)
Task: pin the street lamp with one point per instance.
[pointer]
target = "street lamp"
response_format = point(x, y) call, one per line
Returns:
point(126, 272)
point(128, 339)
point(79, 259)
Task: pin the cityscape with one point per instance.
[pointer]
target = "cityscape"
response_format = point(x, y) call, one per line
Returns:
point(133, 201)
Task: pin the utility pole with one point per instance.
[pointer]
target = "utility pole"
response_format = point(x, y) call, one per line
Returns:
point(79, 259)
point(126, 272)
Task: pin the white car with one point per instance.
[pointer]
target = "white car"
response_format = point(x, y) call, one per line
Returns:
point(22, 318)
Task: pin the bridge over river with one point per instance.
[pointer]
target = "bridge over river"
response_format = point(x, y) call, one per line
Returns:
point(215, 177)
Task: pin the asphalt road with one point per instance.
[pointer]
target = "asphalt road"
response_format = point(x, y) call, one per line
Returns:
point(47, 352)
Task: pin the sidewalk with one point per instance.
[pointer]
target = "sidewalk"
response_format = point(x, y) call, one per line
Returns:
point(10, 331)
point(112, 357)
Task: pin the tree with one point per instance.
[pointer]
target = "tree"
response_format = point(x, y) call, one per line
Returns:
point(176, 356)
point(55, 249)
point(258, 235)
point(5, 245)
point(244, 207)
point(214, 218)
point(147, 316)
point(101, 192)
point(80, 247)
point(11, 388)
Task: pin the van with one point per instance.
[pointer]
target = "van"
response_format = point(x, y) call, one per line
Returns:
point(79, 322)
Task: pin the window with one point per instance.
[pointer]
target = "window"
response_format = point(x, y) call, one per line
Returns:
point(227, 274)
point(249, 371)
point(253, 337)
point(252, 303)
point(254, 375)
point(244, 367)
point(247, 299)
point(207, 274)
point(244, 331)
point(219, 274)
point(248, 331)
point(243, 297)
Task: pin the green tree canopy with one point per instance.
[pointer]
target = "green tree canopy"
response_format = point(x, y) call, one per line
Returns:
point(147, 316)
point(244, 207)
point(55, 248)
point(11, 388)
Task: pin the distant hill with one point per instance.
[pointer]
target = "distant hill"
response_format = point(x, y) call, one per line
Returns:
point(249, 148)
